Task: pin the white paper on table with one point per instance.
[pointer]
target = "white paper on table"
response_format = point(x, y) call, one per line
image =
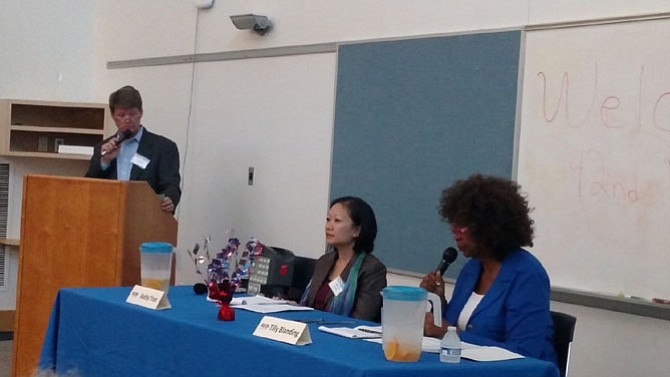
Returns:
point(254, 300)
point(431, 345)
point(469, 351)
point(487, 353)
point(358, 332)
point(264, 305)
point(472, 351)
point(264, 309)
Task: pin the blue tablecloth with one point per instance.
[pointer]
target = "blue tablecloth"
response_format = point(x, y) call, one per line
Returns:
point(96, 333)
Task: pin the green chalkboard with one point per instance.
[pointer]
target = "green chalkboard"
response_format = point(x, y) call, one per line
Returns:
point(411, 117)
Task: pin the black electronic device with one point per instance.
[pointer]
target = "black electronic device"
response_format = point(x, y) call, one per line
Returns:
point(302, 273)
point(271, 273)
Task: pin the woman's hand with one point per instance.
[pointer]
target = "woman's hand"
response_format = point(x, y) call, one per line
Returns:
point(433, 282)
point(429, 328)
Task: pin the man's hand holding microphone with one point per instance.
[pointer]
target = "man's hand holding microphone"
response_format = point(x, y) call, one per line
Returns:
point(110, 150)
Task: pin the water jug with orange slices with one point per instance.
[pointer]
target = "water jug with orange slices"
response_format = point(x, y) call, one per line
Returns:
point(402, 321)
point(156, 265)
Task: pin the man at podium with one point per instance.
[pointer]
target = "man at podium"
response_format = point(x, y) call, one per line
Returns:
point(136, 154)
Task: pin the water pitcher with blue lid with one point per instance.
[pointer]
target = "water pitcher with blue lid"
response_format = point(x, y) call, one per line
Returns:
point(402, 321)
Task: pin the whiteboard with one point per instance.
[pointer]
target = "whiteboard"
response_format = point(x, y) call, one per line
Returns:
point(594, 155)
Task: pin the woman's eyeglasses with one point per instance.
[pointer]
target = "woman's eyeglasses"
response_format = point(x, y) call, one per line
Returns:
point(458, 230)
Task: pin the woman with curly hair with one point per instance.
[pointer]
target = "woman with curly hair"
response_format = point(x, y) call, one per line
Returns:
point(501, 296)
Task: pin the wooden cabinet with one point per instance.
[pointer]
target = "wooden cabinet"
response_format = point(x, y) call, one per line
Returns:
point(36, 128)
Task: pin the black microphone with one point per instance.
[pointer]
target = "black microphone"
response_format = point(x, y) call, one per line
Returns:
point(448, 255)
point(200, 288)
point(119, 138)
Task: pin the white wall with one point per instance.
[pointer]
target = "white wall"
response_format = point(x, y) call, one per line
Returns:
point(236, 111)
point(47, 55)
point(46, 49)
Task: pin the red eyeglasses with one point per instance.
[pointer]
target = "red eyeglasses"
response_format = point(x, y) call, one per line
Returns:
point(457, 229)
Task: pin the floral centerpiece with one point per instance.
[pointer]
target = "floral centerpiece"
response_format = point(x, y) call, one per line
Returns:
point(221, 282)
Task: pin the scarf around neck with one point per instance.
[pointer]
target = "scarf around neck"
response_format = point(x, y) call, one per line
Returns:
point(343, 303)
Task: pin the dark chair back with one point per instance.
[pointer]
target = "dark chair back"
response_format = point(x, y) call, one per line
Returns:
point(564, 331)
point(302, 273)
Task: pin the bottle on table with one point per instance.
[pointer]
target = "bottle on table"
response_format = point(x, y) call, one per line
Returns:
point(451, 346)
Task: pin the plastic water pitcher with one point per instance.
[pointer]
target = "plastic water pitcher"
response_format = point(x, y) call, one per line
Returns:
point(156, 265)
point(402, 321)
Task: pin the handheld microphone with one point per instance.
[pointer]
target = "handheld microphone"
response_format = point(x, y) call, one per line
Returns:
point(199, 288)
point(448, 256)
point(119, 138)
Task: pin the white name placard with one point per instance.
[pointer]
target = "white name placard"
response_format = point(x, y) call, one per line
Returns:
point(282, 330)
point(148, 298)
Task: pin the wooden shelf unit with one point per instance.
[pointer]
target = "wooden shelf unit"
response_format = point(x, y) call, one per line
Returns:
point(9, 242)
point(34, 128)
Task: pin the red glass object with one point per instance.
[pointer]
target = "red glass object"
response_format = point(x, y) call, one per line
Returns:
point(223, 293)
point(226, 313)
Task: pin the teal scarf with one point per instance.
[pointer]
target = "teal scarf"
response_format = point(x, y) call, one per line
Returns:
point(343, 303)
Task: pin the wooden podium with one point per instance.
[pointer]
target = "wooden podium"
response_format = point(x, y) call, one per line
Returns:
point(78, 232)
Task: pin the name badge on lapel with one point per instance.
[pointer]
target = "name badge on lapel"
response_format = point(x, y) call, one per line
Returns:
point(140, 161)
point(337, 286)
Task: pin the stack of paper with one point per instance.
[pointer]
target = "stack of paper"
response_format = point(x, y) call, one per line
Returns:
point(260, 304)
point(472, 351)
point(485, 353)
point(359, 332)
point(75, 149)
point(432, 345)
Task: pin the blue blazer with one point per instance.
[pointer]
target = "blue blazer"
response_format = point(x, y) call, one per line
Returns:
point(162, 173)
point(514, 312)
